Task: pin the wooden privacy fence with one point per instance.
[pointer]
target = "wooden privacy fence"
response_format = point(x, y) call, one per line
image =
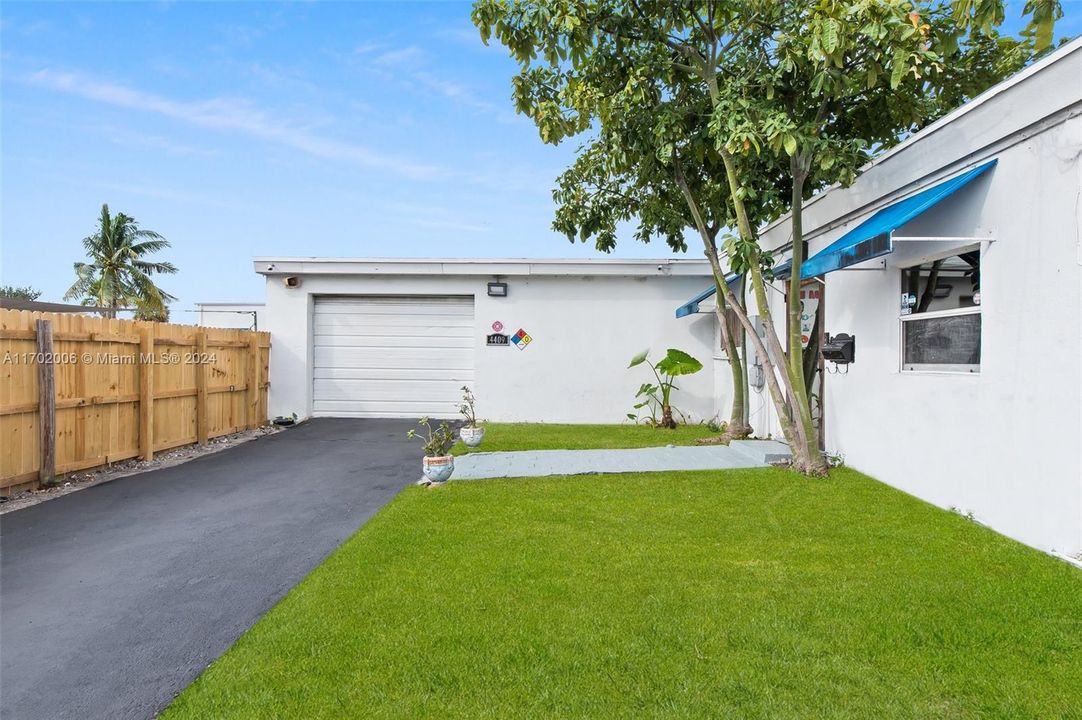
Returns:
point(77, 392)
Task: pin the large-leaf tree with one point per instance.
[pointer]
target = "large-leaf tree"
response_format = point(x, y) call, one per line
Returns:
point(628, 174)
point(825, 84)
point(118, 273)
point(805, 89)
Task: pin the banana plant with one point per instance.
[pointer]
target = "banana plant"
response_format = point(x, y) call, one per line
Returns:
point(658, 397)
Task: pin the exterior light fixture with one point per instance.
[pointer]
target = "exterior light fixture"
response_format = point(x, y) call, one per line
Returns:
point(497, 289)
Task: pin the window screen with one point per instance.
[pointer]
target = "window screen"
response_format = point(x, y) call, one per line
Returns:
point(952, 340)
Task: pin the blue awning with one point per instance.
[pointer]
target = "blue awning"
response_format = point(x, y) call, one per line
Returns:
point(872, 238)
point(692, 306)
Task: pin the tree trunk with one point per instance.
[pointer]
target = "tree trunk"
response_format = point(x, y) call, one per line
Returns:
point(737, 427)
point(811, 354)
point(719, 278)
point(789, 414)
point(745, 389)
point(776, 359)
point(666, 418)
point(787, 406)
point(802, 411)
point(929, 287)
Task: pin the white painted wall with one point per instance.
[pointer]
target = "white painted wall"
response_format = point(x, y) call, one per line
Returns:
point(230, 315)
point(1004, 444)
point(585, 329)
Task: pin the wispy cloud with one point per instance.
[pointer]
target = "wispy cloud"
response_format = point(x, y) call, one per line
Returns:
point(367, 48)
point(463, 35)
point(154, 192)
point(434, 217)
point(231, 114)
point(455, 91)
point(411, 56)
point(411, 65)
point(446, 224)
point(130, 138)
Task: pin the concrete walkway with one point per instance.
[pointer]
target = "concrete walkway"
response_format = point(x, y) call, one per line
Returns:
point(117, 596)
point(540, 463)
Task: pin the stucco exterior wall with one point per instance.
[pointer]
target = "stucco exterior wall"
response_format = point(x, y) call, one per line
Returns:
point(585, 329)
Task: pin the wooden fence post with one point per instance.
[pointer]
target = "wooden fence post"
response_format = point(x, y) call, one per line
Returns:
point(146, 393)
point(58, 419)
point(255, 360)
point(46, 402)
point(202, 425)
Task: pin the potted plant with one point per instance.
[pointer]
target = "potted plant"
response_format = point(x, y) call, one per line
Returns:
point(472, 432)
point(437, 464)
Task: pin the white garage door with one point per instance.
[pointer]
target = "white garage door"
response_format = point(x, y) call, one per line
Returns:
point(391, 356)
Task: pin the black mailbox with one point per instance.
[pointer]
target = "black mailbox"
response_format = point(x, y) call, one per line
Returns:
point(840, 348)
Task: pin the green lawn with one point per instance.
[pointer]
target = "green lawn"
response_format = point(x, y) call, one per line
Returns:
point(743, 594)
point(542, 436)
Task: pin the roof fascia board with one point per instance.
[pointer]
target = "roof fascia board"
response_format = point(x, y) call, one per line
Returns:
point(505, 268)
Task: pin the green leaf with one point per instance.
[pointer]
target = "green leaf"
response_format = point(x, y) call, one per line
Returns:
point(830, 35)
point(678, 362)
point(640, 358)
point(898, 67)
point(790, 144)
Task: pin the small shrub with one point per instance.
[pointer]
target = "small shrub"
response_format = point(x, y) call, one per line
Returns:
point(466, 407)
point(435, 442)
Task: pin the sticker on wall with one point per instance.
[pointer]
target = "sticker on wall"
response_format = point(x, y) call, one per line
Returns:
point(521, 339)
point(809, 306)
point(497, 326)
point(497, 340)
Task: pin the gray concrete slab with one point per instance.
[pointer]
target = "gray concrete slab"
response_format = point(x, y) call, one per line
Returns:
point(114, 598)
point(540, 463)
point(767, 452)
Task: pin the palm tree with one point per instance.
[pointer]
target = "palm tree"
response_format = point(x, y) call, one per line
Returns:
point(117, 275)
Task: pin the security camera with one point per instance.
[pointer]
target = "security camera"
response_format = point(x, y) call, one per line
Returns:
point(292, 281)
point(660, 268)
point(270, 268)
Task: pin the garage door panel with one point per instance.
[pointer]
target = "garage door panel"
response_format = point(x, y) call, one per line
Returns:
point(411, 308)
point(394, 342)
point(337, 357)
point(391, 357)
point(418, 374)
point(442, 394)
point(465, 329)
point(383, 325)
point(388, 408)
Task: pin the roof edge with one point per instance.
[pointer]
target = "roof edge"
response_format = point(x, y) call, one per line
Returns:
point(480, 266)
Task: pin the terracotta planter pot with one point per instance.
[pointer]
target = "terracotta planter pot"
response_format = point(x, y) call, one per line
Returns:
point(438, 469)
point(472, 436)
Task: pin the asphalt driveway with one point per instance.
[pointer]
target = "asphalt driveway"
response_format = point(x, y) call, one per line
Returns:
point(114, 598)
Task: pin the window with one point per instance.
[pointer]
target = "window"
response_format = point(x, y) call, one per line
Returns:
point(941, 315)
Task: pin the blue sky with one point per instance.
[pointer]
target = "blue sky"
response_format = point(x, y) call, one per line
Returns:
point(243, 129)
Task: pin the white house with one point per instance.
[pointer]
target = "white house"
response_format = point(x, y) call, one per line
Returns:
point(537, 340)
point(973, 400)
point(954, 261)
